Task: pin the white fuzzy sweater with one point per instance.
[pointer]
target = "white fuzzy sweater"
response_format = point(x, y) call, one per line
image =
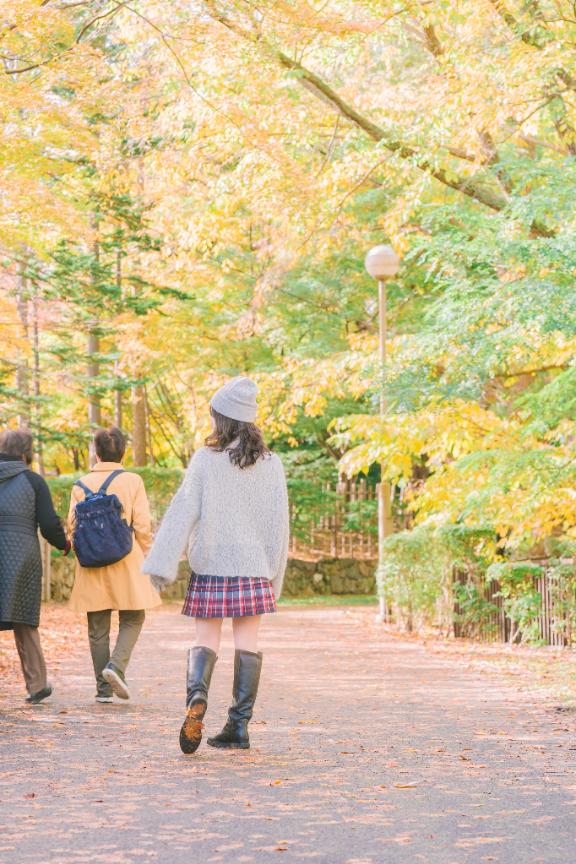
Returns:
point(232, 521)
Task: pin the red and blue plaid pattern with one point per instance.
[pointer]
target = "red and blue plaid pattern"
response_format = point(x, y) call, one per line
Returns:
point(228, 597)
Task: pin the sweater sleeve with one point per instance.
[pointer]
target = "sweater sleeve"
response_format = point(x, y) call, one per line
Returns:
point(179, 521)
point(46, 517)
point(284, 530)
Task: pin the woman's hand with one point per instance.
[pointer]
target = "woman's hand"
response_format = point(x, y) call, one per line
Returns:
point(158, 581)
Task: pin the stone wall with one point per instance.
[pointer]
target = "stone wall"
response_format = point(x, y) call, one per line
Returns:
point(329, 576)
point(303, 578)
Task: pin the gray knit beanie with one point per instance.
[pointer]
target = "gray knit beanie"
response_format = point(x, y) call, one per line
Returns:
point(236, 399)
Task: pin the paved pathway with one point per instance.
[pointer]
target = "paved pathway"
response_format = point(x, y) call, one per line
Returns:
point(366, 750)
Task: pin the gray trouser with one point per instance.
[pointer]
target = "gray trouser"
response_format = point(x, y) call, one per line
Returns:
point(99, 634)
point(29, 649)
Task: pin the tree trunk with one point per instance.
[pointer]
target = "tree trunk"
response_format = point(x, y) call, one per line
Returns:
point(22, 369)
point(36, 382)
point(118, 406)
point(93, 367)
point(149, 427)
point(139, 425)
point(94, 408)
point(118, 394)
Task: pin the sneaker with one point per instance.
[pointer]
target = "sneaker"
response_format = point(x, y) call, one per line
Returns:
point(117, 681)
point(36, 698)
point(104, 698)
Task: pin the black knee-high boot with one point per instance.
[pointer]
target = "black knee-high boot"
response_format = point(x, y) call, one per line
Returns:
point(201, 662)
point(234, 735)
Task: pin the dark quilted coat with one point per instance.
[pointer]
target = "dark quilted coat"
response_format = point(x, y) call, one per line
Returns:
point(20, 561)
point(25, 505)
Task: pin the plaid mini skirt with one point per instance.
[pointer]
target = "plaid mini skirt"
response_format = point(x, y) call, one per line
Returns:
point(228, 597)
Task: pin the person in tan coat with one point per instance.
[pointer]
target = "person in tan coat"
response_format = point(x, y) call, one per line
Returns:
point(122, 586)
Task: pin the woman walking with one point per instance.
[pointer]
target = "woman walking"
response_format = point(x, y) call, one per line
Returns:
point(231, 513)
point(25, 506)
point(120, 586)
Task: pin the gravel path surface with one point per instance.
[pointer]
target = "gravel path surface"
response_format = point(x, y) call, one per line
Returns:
point(366, 749)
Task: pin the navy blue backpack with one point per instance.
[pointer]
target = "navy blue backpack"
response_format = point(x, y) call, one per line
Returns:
point(101, 536)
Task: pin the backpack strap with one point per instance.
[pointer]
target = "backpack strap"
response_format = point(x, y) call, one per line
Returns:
point(88, 492)
point(104, 487)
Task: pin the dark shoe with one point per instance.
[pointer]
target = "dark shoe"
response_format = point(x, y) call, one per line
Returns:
point(201, 662)
point(36, 698)
point(117, 681)
point(234, 735)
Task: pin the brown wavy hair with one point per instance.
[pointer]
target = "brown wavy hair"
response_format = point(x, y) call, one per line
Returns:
point(249, 445)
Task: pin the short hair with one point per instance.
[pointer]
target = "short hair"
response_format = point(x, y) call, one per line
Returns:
point(17, 444)
point(110, 444)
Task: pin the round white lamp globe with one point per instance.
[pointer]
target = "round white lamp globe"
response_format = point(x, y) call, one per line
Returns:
point(382, 262)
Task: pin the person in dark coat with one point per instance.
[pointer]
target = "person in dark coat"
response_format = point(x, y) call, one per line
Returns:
point(25, 506)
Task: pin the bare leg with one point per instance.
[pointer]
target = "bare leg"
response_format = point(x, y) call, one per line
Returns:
point(208, 631)
point(246, 633)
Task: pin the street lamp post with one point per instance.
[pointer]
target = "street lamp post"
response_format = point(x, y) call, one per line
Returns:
point(383, 263)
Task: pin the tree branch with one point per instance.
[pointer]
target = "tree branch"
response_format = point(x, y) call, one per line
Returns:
point(30, 67)
point(537, 37)
point(469, 186)
point(91, 23)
